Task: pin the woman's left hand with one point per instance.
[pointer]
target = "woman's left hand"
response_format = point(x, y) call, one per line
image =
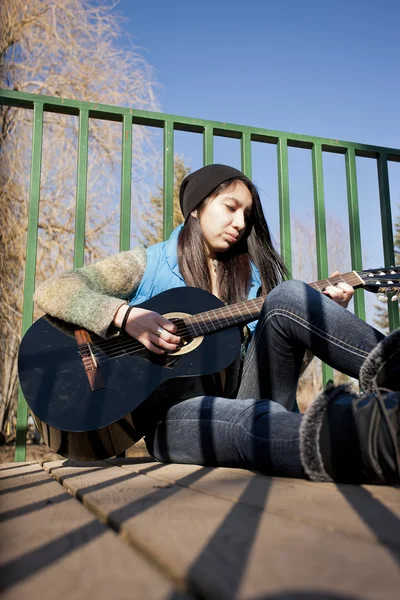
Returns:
point(341, 293)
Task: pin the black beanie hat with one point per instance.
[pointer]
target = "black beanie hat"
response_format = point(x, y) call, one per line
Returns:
point(198, 185)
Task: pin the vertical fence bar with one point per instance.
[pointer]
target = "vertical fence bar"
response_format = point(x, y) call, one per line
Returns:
point(168, 215)
point(126, 185)
point(81, 188)
point(245, 143)
point(30, 266)
point(208, 145)
point(354, 227)
point(319, 211)
point(387, 230)
point(320, 230)
point(284, 203)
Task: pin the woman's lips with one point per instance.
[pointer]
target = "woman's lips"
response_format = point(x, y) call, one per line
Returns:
point(231, 237)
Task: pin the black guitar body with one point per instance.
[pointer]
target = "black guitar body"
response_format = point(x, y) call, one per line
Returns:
point(82, 424)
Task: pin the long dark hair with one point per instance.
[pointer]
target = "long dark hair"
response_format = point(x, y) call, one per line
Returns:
point(234, 265)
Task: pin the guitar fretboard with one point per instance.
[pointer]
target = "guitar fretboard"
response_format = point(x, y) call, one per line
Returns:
point(351, 278)
point(248, 310)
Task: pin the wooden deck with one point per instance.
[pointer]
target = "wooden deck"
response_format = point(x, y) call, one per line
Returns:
point(130, 528)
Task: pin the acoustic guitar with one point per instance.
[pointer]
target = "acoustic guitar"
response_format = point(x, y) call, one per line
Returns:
point(88, 395)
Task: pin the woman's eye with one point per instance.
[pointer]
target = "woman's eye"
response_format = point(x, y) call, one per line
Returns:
point(230, 208)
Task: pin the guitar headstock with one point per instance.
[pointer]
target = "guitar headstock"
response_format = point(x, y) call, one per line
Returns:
point(384, 281)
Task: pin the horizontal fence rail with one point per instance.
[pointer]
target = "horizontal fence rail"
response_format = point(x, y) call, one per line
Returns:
point(128, 117)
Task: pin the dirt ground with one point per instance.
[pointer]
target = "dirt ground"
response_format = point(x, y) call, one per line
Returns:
point(40, 452)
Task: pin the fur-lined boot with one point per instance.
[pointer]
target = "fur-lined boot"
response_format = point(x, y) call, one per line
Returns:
point(356, 438)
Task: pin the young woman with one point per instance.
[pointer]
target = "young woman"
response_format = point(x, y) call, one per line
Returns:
point(244, 417)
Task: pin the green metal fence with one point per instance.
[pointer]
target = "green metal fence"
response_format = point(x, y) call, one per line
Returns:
point(129, 117)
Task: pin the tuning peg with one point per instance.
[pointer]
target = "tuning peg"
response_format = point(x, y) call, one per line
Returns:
point(383, 298)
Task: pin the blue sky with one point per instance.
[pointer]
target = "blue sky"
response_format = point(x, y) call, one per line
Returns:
point(326, 68)
point(323, 68)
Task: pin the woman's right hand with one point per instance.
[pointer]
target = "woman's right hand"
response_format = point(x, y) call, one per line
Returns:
point(143, 324)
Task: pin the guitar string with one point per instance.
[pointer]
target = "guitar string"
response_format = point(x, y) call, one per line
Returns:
point(183, 330)
point(134, 345)
point(208, 319)
point(193, 323)
point(132, 349)
point(131, 345)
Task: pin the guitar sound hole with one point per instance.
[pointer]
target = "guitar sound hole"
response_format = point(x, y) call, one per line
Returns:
point(189, 343)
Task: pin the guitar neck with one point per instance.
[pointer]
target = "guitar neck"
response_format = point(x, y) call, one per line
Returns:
point(249, 310)
point(351, 278)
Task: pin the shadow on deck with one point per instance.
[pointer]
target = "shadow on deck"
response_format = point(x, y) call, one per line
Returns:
point(132, 528)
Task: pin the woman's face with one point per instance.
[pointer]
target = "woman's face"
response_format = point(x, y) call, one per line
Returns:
point(223, 218)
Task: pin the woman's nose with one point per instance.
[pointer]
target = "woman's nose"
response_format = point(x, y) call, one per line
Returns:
point(239, 222)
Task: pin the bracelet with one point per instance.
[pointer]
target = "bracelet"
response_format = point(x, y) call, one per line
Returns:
point(124, 320)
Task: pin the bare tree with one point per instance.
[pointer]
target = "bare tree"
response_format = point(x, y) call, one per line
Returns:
point(73, 49)
point(154, 233)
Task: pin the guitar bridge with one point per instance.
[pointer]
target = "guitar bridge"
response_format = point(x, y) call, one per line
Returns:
point(90, 363)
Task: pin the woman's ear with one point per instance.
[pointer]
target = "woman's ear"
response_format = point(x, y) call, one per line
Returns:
point(194, 213)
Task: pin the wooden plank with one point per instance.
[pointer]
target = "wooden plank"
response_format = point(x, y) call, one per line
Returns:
point(222, 548)
point(369, 512)
point(57, 548)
